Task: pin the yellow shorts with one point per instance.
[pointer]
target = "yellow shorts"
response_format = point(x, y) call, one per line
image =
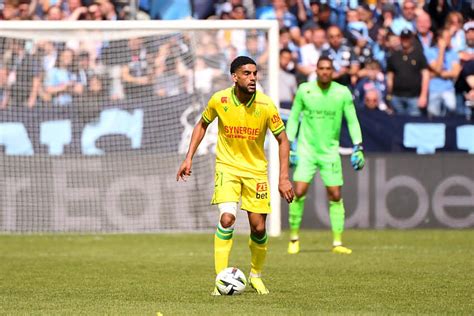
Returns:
point(255, 192)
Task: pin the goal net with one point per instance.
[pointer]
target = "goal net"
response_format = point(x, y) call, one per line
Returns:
point(95, 119)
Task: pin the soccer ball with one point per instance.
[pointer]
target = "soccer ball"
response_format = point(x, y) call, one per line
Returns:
point(231, 281)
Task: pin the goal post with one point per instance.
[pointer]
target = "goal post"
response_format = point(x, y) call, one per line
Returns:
point(95, 116)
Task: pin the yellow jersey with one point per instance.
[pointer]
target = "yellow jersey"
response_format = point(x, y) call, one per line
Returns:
point(241, 131)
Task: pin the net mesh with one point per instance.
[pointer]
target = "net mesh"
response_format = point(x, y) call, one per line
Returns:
point(94, 124)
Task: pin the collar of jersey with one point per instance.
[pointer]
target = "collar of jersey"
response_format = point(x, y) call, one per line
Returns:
point(237, 102)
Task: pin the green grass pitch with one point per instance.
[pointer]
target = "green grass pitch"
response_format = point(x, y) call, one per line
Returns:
point(390, 272)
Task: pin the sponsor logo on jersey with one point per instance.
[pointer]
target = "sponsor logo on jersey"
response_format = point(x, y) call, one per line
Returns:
point(223, 99)
point(242, 132)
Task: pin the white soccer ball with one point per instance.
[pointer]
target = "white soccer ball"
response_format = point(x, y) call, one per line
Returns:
point(231, 281)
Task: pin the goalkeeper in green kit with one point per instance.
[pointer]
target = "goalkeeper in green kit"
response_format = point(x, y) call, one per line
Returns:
point(321, 105)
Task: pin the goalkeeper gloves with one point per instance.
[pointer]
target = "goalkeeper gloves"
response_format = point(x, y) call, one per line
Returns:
point(357, 157)
point(293, 154)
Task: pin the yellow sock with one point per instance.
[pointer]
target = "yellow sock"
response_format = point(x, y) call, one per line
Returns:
point(258, 249)
point(222, 247)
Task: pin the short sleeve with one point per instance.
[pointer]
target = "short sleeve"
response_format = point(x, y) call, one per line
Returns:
point(210, 113)
point(274, 120)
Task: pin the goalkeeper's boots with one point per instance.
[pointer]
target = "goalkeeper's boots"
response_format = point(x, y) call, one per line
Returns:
point(293, 247)
point(258, 286)
point(215, 292)
point(341, 250)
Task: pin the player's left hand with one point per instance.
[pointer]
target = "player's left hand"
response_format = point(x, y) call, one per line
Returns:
point(357, 157)
point(286, 190)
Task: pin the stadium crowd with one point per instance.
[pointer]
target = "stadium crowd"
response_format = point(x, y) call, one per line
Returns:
point(398, 56)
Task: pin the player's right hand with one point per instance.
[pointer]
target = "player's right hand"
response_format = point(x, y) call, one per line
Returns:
point(293, 154)
point(184, 170)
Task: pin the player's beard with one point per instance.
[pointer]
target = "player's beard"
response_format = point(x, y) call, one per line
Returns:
point(246, 90)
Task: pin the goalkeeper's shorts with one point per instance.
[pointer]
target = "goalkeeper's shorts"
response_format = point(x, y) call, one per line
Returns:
point(329, 167)
point(255, 191)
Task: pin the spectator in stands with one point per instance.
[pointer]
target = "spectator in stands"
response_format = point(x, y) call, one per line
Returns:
point(286, 79)
point(373, 102)
point(445, 68)
point(95, 13)
point(26, 10)
point(380, 49)
point(108, 11)
point(387, 15)
point(307, 32)
point(255, 47)
point(48, 55)
point(74, 10)
point(235, 37)
point(407, 18)
point(393, 43)
point(467, 53)
point(60, 85)
point(324, 16)
point(314, 9)
point(344, 61)
point(54, 13)
point(373, 79)
point(407, 77)
point(25, 73)
point(309, 54)
point(298, 9)
point(454, 23)
point(171, 77)
point(438, 11)
point(465, 90)
point(9, 12)
point(423, 29)
point(204, 76)
point(287, 42)
point(366, 15)
point(358, 35)
point(339, 9)
point(4, 94)
point(279, 11)
point(137, 72)
point(84, 71)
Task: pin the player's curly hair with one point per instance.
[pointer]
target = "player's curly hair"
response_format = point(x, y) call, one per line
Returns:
point(239, 62)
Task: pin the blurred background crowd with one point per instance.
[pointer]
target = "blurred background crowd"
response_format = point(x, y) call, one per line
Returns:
point(403, 57)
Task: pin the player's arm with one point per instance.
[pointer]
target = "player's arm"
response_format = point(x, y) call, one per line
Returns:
point(284, 184)
point(199, 132)
point(357, 157)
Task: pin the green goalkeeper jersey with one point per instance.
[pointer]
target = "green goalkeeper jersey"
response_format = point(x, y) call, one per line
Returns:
point(322, 112)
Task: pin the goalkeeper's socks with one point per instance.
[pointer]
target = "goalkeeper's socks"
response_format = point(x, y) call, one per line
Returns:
point(337, 216)
point(222, 247)
point(258, 250)
point(295, 216)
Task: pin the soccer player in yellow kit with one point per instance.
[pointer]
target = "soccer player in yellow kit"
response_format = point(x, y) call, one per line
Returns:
point(244, 115)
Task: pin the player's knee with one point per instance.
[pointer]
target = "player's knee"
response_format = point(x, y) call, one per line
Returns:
point(258, 231)
point(227, 211)
point(334, 196)
point(227, 220)
point(299, 193)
